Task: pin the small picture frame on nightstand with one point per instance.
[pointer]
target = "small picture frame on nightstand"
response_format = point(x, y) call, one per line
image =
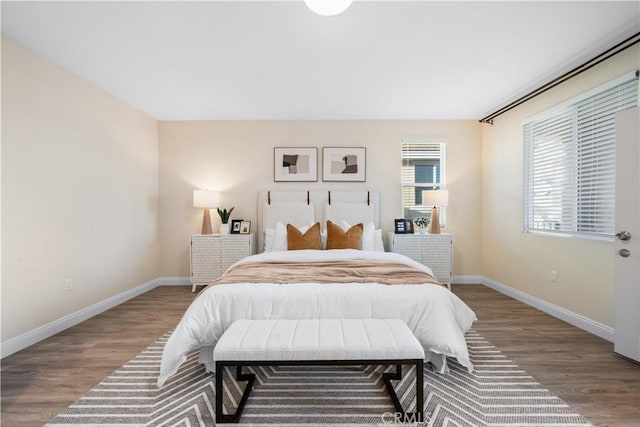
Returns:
point(400, 226)
point(245, 227)
point(235, 226)
point(409, 225)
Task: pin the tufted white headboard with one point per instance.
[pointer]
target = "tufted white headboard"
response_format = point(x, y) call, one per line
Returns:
point(306, 207)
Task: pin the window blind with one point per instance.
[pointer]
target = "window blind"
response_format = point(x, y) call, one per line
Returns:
point(569, 163)
point(421, 170)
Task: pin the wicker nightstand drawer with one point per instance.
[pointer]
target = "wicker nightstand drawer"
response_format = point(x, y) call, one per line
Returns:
point(433, 250)
point(212, 254)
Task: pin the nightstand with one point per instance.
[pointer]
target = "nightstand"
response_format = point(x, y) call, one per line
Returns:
point(212, 254)
point(433, 250)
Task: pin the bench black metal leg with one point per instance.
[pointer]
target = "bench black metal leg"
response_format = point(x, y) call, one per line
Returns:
point(397, 375)
point(417, 416)
point(250, 378)
point(387, 377)
point(420, 390)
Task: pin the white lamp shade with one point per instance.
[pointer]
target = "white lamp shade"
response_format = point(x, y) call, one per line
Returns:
point(435, 197)
point(328, 7)
point(206, 199)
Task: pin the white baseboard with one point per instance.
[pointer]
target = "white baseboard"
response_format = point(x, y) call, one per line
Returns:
point(173, 281)
point(467, 280)
point(43, 332)
point(18, 343)
point(577, 320)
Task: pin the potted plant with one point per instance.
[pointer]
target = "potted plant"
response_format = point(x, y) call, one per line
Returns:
point(422, 223)
point(224, 219)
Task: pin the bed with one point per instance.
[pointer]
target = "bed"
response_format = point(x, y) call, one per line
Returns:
point(310, 283)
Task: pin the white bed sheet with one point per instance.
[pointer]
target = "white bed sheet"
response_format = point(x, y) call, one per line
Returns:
point(437, 317)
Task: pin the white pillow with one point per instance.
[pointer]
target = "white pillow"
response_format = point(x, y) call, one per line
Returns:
point(371, 238)
point(269, 236)
point(280, 238)
point(276, 239)
point(378, 242)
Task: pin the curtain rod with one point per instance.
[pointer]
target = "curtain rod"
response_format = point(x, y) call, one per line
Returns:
point(566, 76)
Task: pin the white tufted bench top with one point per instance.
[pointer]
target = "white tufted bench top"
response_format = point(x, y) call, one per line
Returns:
point(318, 339)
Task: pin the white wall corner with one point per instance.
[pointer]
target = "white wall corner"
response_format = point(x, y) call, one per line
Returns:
point(577, 320)
point(43, 332)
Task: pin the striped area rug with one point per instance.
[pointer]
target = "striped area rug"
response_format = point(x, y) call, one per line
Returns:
point(497, 393)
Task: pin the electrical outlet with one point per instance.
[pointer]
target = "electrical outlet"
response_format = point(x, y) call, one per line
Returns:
point(554, 276)
point(68, 285)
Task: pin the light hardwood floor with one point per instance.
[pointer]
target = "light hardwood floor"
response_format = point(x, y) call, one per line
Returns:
point(579, 367)
point(582, 369)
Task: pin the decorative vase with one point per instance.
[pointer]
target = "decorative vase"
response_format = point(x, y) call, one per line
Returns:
point(423, 230)
point(224, 228)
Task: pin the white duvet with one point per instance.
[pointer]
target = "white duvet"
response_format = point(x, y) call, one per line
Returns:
point(437, 317)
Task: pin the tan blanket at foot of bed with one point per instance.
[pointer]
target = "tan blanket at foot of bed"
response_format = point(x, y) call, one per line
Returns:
point(354, 271)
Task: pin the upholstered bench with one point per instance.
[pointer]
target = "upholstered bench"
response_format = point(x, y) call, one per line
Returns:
point(317, 342)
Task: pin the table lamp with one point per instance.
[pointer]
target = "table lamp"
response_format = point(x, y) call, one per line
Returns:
point(206, 199)
point(435, 198)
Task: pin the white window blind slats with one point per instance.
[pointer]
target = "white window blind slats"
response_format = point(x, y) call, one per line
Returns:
point(599, 145)
point(599, 168)
point(552, 127)
point(569, 163)
point(421, 170)
point(596, 130)
point(419, 153)
point(593, 108)
point(595, 112)
point(592, 162)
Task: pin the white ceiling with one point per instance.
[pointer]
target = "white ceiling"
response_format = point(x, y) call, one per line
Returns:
point(278, 60)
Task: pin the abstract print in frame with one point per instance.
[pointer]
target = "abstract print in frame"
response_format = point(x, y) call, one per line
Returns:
point(295, 164)
point(344, 164)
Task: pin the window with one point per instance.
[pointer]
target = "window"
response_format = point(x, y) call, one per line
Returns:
point(422, 169)
point(569, 162)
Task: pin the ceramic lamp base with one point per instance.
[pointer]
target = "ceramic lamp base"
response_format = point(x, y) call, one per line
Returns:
point(434, 227)
point(206, 222)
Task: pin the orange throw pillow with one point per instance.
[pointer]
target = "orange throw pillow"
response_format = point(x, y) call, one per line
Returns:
point(310, 240)
point(337, 238)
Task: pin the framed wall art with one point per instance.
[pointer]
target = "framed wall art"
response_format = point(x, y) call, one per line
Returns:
point(344, 164)
point(295, 164)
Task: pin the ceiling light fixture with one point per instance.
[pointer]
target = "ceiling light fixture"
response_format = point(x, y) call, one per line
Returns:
point(328, 7)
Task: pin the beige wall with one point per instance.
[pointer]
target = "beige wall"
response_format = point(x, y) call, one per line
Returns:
point(236, 157)
point(96, 191)
point(79, 193)
point(524, 261)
